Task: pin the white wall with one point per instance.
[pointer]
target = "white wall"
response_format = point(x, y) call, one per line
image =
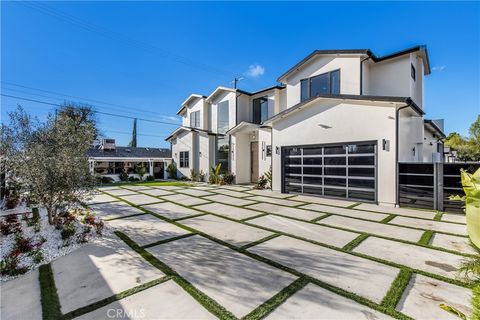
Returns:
point(410, 130)
point(183, 142)
point(244, 108)
point(264, 140)
point(430, 146)
point(197, 105)
point(204, 160)
point(416, 86)
point(387, 78)
point(224, 96)
point(240, 159)
point(348, 123)
point(349, 75)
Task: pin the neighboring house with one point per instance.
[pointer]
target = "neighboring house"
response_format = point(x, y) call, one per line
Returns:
point(110, 160)
point(337, 126)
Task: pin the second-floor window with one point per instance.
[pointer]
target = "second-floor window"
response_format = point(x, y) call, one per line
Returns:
point(184, 159)
point(326, 83)
point(413, 72)
point(222, 117)
point(195, 119)
point(260, 110)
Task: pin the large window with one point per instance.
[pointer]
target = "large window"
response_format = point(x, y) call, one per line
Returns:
point(184, 159)
point(195, 119)
point(260, 110)
point(326, 83)
point(222, 117)
point(223, 149)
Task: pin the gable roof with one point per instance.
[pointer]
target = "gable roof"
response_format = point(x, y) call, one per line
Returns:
point(186, 129)
point(217, 92)
point(302, 104)
point(129, 152)
point(366, 52)
point(433, 127)
point(190, 98)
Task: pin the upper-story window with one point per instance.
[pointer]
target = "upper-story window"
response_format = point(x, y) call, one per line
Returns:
point(413, 72)
point(195, 119)
point(326, 83)
point(260, 109)
point(222, 117)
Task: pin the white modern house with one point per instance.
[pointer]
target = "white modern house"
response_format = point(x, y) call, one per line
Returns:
point(337, 125)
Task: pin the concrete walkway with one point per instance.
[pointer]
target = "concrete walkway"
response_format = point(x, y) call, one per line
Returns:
point(230, 251)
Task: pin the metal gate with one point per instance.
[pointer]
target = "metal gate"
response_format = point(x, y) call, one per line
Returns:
point(346, 171)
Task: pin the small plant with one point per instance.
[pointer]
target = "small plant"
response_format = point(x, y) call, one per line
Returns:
point(262, 182)
point(201, 176)
point(9, 265)
point(141, 171)
point(172, 171)
point(99, 225)
point(123, 176)
point(214, 177)
point(22, 244)
point(133, 179)
point(193, 175)
point(37, 256)
point(268, 176)
point(106, 180)
point(10, 225)
point(228, 178)
point(68, 231)
point(150, 178)
point(83, 236)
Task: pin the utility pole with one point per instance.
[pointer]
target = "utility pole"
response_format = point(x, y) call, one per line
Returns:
point(235, 81)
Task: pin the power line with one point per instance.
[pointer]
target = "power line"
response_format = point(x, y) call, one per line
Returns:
point(120, 37)
point(69, 96)
point(95, 111)
point(140, 134)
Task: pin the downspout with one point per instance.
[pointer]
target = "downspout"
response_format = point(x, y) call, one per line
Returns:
point(397, 140)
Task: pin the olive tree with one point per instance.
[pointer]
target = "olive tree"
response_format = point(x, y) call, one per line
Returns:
point(49, 158)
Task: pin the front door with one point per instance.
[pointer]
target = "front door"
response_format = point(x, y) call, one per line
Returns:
point(254, 162)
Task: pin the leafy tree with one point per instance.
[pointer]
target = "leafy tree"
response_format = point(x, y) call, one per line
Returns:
point(133, 143)
point(49, 158)
point(468, 149)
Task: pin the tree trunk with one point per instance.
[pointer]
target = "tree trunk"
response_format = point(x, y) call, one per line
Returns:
point(50, 212)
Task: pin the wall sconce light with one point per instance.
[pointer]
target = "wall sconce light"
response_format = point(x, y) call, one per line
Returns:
point(277, 150)
point(386, 144)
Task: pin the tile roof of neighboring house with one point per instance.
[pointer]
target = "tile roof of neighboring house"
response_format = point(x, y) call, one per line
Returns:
point(367, 52)
point(130, 152)
point(298, 106)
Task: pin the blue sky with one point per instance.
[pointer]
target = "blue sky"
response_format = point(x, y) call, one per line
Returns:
point(142, 59)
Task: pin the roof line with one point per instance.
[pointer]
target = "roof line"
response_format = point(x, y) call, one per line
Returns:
point(435, 127)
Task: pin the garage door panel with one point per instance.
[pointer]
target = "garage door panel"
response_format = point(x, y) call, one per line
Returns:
point(340, 171)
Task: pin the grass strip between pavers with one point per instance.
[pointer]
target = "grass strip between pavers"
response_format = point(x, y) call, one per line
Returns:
point(388, 219)
point(394, 294)
point(96, 305)
point(438, 216)
point(211, 305)
point(271, 304)
point(51, 309)
point(355, 242)
point(321, 217)
point(426, 237)
point(267, 238)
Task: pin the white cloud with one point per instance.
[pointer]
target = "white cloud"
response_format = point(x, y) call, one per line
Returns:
point(171, 118)
point(255, 70)
point(438, 68)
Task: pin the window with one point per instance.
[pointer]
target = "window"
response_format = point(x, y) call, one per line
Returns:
point(222, 117)
point(413, 73)
point(223, 149)
point(195, 119)
point(184, 159)
point(326, 83)
point(260, 110)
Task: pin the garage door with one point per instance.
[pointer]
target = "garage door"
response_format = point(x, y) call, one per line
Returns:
point(346, 171)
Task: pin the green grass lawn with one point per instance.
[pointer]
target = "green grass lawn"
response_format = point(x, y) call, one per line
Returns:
point(147, 183)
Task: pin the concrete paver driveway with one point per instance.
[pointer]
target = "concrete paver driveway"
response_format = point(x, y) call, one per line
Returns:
point(201, 252)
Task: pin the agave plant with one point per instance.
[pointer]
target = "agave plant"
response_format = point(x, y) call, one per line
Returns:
point(215, 174)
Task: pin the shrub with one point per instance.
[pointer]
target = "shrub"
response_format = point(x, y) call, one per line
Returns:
point(268, 175)
point(37, 256)
point(141, 171)
point(133, 179)
point(193, 175)
point(123, 176)
point(22, 244)
point(261, 183)
point(228, 178)
point(67, 231)
point(9, 265)
point(10, 225)
point(150, 178)
point(215, 177)
point(201, 176)
point(172, 171)
point(104, 180)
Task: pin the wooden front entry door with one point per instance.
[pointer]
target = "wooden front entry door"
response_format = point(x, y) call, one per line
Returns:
point(254, 162)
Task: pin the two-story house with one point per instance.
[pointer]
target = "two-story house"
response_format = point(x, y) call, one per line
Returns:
point(337, 125)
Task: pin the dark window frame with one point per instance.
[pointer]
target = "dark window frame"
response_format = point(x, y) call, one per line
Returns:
point(184, 159)
point(306, 84)
point(257, 109)
point(413, 72)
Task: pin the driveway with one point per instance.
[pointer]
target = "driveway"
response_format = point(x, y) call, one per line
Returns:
point(201, 252)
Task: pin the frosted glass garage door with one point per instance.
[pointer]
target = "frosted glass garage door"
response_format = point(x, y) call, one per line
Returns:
point(346, 171)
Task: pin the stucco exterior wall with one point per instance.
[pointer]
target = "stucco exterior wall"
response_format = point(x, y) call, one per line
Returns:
point(224, 96)
point(264, 140)
point(327, 122)
point(387, 78)
point(240, 158)
point(184, 142)
point(430, 146)
point(416, 86)
point(410, 140)
point(349, 76)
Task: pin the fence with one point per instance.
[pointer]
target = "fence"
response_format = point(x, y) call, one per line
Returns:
point(429, 185)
